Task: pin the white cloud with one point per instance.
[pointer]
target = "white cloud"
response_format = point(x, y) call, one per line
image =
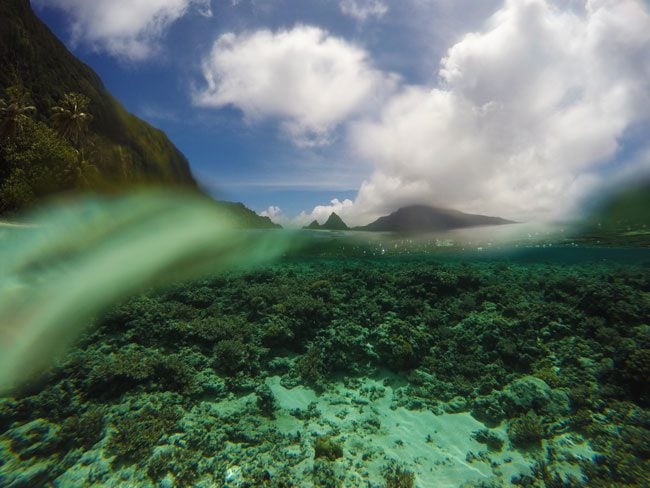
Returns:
point(274, 213)
point(127, 29)
point(525, 113)
point(322, 212)
point(362, 10)
point(305, 77)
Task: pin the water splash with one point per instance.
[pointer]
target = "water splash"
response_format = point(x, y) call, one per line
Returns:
point(79, 257)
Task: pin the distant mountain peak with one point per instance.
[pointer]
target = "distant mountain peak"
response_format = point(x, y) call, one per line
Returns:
point(333, 222)
point(313, 225)
point(424, 218)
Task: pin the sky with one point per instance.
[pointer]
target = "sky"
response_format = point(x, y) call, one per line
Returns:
point(523, 109)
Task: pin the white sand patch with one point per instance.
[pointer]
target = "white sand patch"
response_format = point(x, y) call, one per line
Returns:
point(439, 449)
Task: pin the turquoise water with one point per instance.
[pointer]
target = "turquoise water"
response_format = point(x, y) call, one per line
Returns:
point(449, 360)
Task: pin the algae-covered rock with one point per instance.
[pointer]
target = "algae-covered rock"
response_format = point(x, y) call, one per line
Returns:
point(559, 404)
point(489, 438)
point(520, 396)
point(35, 438)
point(526, 393)
point(455, 405)
point(488, 409)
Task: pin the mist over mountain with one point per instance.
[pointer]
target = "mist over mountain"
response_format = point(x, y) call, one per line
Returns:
point(422, 218)
point(624, 211)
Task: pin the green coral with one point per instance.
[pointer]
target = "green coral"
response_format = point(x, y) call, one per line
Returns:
point(183, 464)
point(636, 374)
point(135, 435)
point(136, 366)
point(496, 339)
point(328, 448)
point(83, 430)
point(396, 476)
point(526, 431)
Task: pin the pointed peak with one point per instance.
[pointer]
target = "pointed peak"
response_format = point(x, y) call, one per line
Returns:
point(313, 225)
point(334, 222)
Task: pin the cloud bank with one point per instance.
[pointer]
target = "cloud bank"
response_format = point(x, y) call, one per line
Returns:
point(126, 29)
point(523, 117)
point(306, 78)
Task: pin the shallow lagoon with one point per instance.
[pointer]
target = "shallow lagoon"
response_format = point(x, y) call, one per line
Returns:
point(456, 359)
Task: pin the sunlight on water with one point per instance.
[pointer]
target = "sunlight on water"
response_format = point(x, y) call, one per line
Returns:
point(79, 257)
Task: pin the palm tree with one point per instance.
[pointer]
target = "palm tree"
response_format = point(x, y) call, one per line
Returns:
point(71, 118)
point(86, 174)
point(15, 110)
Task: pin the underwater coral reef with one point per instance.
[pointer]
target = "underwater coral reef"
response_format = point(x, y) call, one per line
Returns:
point(394, 371)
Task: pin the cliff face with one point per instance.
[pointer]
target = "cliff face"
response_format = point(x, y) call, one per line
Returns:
point(127, 149)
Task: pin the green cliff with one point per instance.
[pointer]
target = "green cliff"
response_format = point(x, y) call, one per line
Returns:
point(121, 149)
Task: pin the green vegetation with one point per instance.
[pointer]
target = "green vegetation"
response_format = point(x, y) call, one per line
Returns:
point(619, 218)
point(15, 111)
point(44, 87)
point(37, 160)
point(71, 119)
point(625, 210)
point(245, 217)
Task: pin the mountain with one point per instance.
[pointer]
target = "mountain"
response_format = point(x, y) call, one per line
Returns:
point(623, 210)
point(619, 217)
point(125, 149)
point(421, 218)
point(246, 218)
point(333, 222)
point(314, 225)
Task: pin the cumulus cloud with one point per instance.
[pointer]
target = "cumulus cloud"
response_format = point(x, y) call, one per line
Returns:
point(306, 78)
point(362, 10)
point(525, 113)
point(274, 213)
point(127, 29)
point(322, 212)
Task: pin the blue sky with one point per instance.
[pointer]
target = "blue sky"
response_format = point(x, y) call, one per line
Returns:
point(512, 107)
